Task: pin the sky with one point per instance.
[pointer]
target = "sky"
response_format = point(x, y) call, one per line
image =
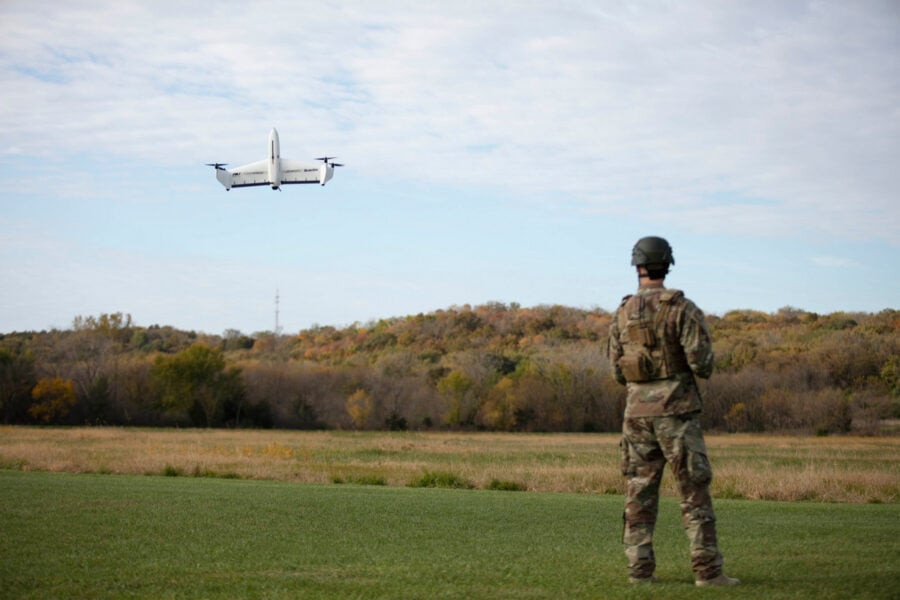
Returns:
point(494, 151)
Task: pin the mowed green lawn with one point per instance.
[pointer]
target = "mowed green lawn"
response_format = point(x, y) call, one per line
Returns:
point(109, 536)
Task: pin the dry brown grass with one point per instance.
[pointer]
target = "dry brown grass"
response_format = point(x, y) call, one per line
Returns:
point(833, 469)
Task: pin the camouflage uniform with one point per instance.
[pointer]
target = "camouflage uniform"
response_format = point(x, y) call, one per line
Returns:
point(662, 425)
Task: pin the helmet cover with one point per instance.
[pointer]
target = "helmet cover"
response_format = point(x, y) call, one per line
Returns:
point(652, 250)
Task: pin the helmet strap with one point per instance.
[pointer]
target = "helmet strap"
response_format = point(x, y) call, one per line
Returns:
point(653, 274)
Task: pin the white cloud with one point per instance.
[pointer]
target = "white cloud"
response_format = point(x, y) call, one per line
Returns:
point(836, 262)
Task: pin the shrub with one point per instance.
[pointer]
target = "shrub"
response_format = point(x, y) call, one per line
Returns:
point(506, 486)
point(360, 479)
point(737, 419)
point(396, 422)
point(441, 479)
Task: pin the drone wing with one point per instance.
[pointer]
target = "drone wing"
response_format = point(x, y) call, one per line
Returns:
point(256, 173)
point(293, 171)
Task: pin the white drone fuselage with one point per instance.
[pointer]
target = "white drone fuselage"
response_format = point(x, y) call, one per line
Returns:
point(274, 171)
point(274, 160)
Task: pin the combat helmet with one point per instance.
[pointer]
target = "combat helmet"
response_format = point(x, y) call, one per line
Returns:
point(652, 250)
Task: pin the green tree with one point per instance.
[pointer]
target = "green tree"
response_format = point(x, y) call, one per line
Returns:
point(456, 388)
point(17, 378)
point(195, 383)
point(890, 374)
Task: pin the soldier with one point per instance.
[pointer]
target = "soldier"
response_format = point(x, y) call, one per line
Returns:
point(658, 343)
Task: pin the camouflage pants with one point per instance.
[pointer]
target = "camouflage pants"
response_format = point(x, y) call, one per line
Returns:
point(648, 443)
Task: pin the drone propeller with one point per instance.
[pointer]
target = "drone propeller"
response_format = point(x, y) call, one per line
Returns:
point(218, 166)
point(325, 159)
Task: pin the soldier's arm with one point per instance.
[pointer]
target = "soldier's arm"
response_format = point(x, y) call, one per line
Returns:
point(614, 349)
point(696, 341)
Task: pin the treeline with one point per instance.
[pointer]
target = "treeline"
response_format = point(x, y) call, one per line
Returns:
point(492, 367)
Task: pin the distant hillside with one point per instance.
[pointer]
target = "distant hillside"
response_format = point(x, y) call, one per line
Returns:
point(495, 366)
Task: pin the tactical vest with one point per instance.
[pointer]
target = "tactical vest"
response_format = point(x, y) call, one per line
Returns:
point(649, 354)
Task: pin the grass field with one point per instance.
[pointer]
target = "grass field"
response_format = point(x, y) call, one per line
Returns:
point(757, 467)
point(97, 536)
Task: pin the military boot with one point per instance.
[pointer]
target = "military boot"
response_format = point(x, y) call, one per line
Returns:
point(722, 580)
point(648, 579)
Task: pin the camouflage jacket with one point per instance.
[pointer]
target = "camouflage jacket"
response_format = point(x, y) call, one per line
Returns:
point(688, 348)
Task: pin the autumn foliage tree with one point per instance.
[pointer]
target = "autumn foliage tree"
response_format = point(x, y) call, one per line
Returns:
point(359, 407)
point(53, 398)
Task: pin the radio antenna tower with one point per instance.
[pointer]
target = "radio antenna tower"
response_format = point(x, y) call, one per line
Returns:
point(277, 326)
